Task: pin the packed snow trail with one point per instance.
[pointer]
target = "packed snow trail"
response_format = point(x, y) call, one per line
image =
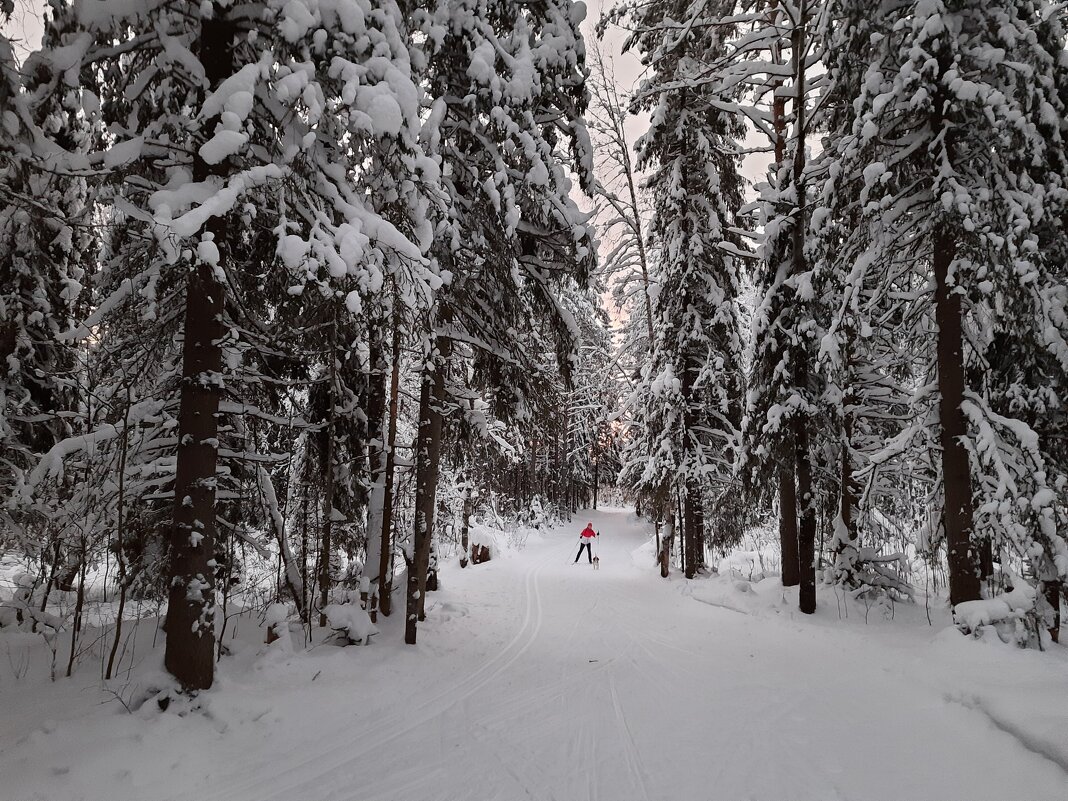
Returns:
point(536, 678)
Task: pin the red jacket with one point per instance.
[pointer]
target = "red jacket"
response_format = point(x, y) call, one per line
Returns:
point(588, 532)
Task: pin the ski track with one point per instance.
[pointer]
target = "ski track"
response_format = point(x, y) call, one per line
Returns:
point(384, 732)
point(634, 760)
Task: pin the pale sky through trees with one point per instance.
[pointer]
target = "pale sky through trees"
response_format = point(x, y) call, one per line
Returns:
point(25, 26)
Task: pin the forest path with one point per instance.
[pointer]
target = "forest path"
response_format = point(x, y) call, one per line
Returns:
point(538, 679)
point(555, 681)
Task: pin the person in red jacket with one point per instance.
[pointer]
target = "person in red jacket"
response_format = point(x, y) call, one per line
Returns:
point(585, 540)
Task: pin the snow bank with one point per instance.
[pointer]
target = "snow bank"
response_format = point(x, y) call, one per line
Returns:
point(744, 564)
point(1012, 614)
point(644, 556)
point(492, 538)
point(352, 620)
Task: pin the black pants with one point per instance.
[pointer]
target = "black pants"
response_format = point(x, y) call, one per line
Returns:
point(589, 552)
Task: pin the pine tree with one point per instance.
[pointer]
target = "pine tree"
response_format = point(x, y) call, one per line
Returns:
point(940, 164)
point(691, 151)
point(46, 250)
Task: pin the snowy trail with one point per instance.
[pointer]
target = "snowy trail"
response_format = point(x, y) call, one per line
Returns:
point(538, 679)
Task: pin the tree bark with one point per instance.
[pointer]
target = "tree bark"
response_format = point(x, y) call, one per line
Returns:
point(1051, 591)
point(120, 556)
point(290, 568)
point(689, 523)
point(806, 537)
point(846, 492)
point(465, 524)
point(697, 530)
point(428, 457)
point(326, 551)
point(596, 480)
point(791, 570)
point(385, 593)
point(666, 543)
point(680, 522)
point(376, 456)
point(964, 584)
point(190, 626)
point(846, 540)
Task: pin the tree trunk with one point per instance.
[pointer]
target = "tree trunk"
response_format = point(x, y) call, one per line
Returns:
point(190, 626)
point(79, 607)
point(806, 538)
point(376, 455)
point(1051, 591)
point(290, 568)
point(846, 491)
point(666, 544)
point(964, 582)
point(680, 535)
point(845, 536)
point(465, 526)
point(385, 592)
point(986, 558)
point(806, 535)
point(120, 556)
point(428, 455)
point(691, 525)
point(327, 550)
point(791, 570)
point(699, 534)
point(596, 480)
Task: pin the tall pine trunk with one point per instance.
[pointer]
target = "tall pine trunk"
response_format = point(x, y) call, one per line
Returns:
point(427, 463)
point(1051, 591)
point(957, 511)
point(666, 543)
point(806, 534)
point(596, 480)
point(465, 524)
point(964, 584)
point(791, 570)
point(376, 455)
point(190, 626)
point(689, 527)
point(847, 492)
point(385, 589)
point(327, 545)
point(845, 534)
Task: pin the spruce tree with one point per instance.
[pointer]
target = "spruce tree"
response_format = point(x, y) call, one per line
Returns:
point(954, 165)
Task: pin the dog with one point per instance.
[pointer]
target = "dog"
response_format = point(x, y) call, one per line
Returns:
point(596, 563)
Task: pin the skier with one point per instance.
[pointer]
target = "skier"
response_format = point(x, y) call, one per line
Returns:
point(585, 540)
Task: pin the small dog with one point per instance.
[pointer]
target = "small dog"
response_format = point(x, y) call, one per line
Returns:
point(596, 563)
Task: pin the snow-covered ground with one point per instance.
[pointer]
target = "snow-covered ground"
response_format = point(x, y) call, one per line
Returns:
point(538, 679)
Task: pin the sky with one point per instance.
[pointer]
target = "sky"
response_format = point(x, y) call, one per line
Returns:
point(25, 26)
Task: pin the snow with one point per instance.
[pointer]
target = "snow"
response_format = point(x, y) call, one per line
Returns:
point(383, 112)
point(537, 678)
point(352, 620)
point(971, 616)
point(222, 145)
point(122, 153)
point(208, 251)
